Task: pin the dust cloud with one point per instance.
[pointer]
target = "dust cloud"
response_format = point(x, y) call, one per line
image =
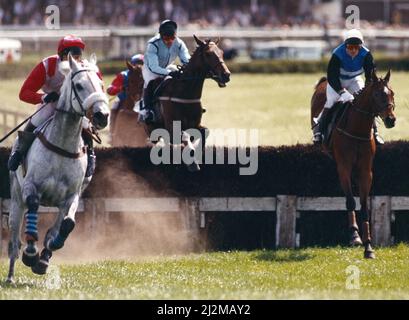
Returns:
point(125, 235)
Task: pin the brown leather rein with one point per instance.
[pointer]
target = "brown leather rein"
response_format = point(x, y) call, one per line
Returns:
point(59, 150)
point(92, 131)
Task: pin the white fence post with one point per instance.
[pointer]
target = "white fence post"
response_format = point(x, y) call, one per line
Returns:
point(190, 208)
point(286, 219)
point(381, 220)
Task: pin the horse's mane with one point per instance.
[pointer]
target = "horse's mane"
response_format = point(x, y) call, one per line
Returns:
point(359, 92)
point(194, 53)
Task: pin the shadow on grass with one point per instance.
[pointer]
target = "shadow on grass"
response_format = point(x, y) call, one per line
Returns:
point(284, 256)
point(17, 285)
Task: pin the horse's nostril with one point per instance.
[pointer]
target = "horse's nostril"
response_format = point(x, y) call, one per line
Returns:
point(100, 119)
point(226, 77)
point(390, 122)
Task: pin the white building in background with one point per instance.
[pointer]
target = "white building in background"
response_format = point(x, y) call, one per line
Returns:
point(10, 50)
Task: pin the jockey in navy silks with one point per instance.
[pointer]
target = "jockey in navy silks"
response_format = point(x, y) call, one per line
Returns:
point(348, 62)
point(161, 52)
point(118, 88)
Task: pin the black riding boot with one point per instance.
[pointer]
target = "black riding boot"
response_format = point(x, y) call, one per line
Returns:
point(378, 139)
point(147, 115)
point(91, 163)
point(321, 126)
point(25, 139)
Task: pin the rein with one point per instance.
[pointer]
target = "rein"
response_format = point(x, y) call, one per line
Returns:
point(59, 150)
point(91, 131)
point(355, 108)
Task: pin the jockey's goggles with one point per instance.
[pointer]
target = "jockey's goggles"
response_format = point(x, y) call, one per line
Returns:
point(354, 46)
point(168, 38)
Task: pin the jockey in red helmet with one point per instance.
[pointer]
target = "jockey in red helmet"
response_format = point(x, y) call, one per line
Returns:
point(46, 76)
point(118, 88)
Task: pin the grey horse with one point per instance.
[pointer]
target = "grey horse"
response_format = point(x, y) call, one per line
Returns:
point(55, 167)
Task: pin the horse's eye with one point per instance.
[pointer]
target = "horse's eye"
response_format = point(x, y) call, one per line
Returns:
point(79, 87)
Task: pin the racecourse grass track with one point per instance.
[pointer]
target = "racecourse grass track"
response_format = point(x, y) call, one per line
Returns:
point(312, 273)
point(278, 105)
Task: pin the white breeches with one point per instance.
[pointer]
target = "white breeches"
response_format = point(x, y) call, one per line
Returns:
point(44, 114)
point(352, 85)
point(116, 104)
point(148, 76)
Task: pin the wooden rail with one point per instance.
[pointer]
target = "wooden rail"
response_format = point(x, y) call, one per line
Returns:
point(287, 209)
point(10, 119)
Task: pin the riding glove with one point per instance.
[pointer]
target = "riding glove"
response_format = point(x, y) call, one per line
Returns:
point(346, 96)
point(174, 74)
point(51, 97)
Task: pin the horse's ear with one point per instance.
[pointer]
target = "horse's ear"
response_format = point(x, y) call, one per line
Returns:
point(217, 41)
point(199, 42)
point(93, 58)
point(388, 76)
point(129, 65)
point(73, 63)
point(374, 76)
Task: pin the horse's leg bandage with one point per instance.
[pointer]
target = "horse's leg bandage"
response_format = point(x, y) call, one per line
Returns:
point(31, 226)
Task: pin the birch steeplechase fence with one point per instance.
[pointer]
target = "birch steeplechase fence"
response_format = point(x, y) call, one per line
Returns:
point(285, 208)
point(294, 199)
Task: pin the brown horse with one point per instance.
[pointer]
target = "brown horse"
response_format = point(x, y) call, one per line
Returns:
point(180, 97)
point(125, 129)
point(353, 147)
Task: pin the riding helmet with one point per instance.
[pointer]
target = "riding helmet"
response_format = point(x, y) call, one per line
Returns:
point(168, 28)
point(354, 37)
point(137, 59)
point(72, 44)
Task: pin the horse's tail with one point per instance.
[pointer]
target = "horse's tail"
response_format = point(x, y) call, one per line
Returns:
point(319, 82)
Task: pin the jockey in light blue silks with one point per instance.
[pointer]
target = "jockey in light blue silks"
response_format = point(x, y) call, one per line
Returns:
point(161, 52)
point(348, 62)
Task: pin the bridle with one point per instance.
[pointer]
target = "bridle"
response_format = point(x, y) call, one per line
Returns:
point(370, 114)
point(209, 73)
point(87, 103)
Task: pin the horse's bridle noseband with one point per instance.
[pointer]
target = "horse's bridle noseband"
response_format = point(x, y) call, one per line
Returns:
point(211, 74)
point(81, 103)
point(368, 113)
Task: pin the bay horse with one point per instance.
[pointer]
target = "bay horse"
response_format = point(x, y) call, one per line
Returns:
point(352, 145)
point(55, 167)
point(124, 127)
point(179, 98)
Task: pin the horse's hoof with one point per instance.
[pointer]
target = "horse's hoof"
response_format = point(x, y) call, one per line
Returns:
point(58, 242)
point(369, 254)
point(40, 268)
point(30, 256)
point(10, 281)
point(355, 240)
point(42, 265)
